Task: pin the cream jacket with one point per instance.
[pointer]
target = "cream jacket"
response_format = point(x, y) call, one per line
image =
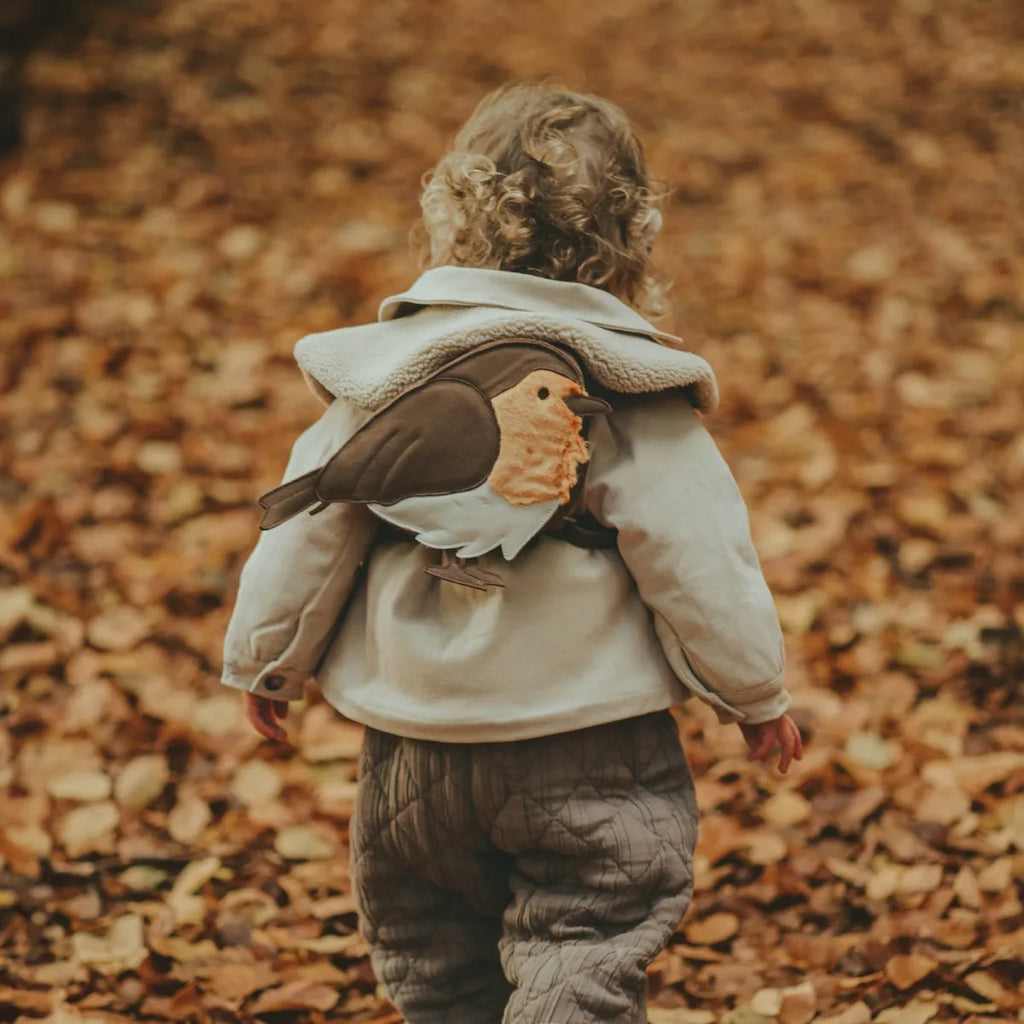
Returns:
point(576, 637)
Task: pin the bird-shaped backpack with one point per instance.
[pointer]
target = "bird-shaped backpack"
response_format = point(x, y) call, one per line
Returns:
point(484, 454)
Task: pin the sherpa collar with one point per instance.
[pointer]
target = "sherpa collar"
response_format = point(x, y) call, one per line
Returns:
point(450, 310)
point(474, 286)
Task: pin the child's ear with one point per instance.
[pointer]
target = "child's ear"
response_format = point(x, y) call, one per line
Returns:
point(317, 388)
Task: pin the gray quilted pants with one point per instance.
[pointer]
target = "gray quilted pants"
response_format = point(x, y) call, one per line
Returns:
point(528, 882)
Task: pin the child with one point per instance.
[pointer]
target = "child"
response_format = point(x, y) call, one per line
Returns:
point(525, 549)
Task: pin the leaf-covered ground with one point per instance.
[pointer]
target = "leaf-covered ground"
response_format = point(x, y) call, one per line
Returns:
point(204, 181)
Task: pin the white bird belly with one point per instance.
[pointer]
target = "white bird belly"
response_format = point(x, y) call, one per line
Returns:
point(474, 522)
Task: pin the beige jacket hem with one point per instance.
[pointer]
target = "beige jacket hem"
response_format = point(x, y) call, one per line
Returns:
point(474, 730)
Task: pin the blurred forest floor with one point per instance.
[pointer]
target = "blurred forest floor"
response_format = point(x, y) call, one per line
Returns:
point(202, 182)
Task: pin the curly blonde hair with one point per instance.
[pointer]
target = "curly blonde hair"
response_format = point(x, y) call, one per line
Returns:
point(545, 181)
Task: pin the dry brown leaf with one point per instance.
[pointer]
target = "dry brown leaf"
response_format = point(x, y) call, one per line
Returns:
point(141, 781)
point(943, 806)
point(256, 783)
point(974, 775)
point(919, 878)
point(122, 948)
point(188, 819)
point(870, 751)
point(297, 995)
point(182, 950)
point(32, 838)
point(798, 1004)
point(27, 999)
point(118, 629)
point(744, 1015)
point(330, 945)
point(916, 1012)
point(88, 828)
point(186, 907)
point(966, 887)
point(766, 848)
point(82, 786)
point(236, 982)
point(767, 1001)
point(786, 808)
point(678, 1015)
point(989, 987)
point(905, 971)
point(856, 1013)
point(711, 930)
point(997, 876)
point(302, 842)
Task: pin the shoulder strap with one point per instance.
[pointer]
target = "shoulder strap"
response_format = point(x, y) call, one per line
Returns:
point(572, 522)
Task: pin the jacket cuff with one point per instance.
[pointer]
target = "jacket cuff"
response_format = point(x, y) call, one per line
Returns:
point(271, 681)
point(764, 709)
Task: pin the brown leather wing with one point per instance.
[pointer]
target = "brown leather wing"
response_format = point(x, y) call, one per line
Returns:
point(438, 438)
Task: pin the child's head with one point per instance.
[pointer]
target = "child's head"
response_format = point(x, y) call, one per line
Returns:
point(546, 182)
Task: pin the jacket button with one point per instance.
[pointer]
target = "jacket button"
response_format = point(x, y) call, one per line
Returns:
point(273, 683)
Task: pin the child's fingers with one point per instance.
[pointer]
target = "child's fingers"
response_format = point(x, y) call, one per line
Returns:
point(274, 729)
point(786, 757)
point(260, 714)
point(763, 748)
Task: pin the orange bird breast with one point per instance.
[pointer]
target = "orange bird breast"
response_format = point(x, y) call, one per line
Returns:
point(541, 447)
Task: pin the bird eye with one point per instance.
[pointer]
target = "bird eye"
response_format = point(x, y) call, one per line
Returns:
point(543, 393)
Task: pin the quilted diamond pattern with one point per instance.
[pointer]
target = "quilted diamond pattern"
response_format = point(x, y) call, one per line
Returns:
point(527, 882)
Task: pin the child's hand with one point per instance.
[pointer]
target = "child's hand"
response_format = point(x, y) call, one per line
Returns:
point(265, 716)
point(765, 737)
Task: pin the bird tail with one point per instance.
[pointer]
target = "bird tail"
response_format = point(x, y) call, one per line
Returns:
point(288, 500)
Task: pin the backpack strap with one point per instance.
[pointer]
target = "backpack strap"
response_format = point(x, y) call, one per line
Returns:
point(573, 523)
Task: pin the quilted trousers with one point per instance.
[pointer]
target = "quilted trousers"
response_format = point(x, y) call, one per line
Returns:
point(528, 882)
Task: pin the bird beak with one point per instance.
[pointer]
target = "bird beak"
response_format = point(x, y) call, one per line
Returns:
point(585, 405)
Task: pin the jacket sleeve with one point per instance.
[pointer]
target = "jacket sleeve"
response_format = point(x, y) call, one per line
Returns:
point(658, 478)
point(298, 578)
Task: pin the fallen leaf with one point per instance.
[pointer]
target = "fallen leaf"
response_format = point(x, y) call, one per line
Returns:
point(919, 878)
point(905, 971)
point(255, 783)
point(744, 1015)
point(856, 1013)
point(188, 819)
point(767, 1001)
point(26, 999)
point(87, 828)
point(973, 775)
point(121, 948)
point(916, 1012)
point(870, 751)
point(989, 987)
point(786, 808)
point(711, 930)
point(236, 982)
point(118, 629)
point(32, 838)
point(302, 842)
point(82, 786)
point(966, 887)
point(678, 1015)
point(298, 995)
point(330, 945)
point(141, 781)
point(186, 907)
point(997, 876)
